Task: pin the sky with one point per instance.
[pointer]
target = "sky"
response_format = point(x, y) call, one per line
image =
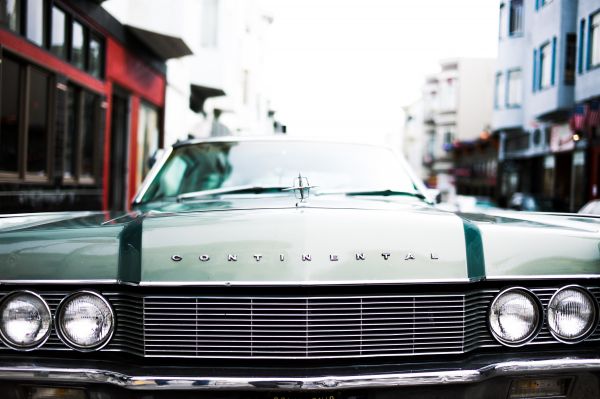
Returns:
point(345, 68)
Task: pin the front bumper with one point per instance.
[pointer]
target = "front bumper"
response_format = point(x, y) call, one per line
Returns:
point(477, 377)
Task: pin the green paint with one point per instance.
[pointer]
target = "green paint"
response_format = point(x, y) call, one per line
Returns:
point(474, 248)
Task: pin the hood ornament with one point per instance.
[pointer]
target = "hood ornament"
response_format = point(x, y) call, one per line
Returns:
point(301, 188)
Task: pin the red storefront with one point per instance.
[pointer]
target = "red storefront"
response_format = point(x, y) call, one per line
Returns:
point(81, 108)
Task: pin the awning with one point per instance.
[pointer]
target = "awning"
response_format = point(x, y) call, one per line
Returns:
point(164, 46)
point(199, 94)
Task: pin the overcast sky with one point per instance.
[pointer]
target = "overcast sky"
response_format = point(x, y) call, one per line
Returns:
point(345, 68)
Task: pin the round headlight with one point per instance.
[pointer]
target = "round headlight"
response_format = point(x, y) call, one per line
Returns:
point(515, 316)
point(571, 314)
point(85, 321)
point(25, 320)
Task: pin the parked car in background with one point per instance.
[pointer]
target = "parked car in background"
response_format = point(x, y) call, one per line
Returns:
point(591, 208)
point(281, 268)
point(535, 203)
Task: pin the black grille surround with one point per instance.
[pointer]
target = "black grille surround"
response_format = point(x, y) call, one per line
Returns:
point(321, 326)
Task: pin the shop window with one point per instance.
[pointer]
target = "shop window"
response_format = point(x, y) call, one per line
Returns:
point(58, 44)
point(95, 57)
point(81, 148)
point(148, 139)
point(70, 139)
point(37, 127)
point(78, 45)
point(10, 14)
point(35, 25)
point(9, 116)
point(89, 132)
point(25, 130)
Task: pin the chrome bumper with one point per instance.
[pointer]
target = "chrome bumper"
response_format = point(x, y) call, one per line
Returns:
point(57, 375)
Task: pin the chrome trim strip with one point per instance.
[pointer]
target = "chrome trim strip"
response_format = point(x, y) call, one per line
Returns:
point(48, 375)
point(543, 277)
point(151, 175)
point(295, 283)
point(99, 281)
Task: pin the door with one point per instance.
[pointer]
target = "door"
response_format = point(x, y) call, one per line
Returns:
point(119, 150)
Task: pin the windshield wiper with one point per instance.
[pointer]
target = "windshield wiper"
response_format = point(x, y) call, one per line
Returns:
point(383, 192)
point(232, 190)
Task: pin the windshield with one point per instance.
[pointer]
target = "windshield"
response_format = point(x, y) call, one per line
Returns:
point(334, 167)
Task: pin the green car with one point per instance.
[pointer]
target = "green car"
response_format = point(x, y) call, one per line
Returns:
point(279, 268)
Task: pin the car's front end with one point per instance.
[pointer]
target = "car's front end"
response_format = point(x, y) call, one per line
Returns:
point(259, 293)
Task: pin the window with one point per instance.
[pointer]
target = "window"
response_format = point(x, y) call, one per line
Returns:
point(70, 139)
point(209, 25)
point(37, 127)
point(81, 136)
point(499, 91)
point(57, 37)
point(516, 18)
point(148, 139)
point(10, 14)
point(570, 58)
point(594, 41)
point(502, 27)
point(545, 66)
point(9, 116)
point(78, 45)
point(35, 21)
point(515, 88)
point(95, 58)
point(89, 120)
point(581, 48)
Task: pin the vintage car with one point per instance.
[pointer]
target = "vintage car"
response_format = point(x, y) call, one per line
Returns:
point(295, 269)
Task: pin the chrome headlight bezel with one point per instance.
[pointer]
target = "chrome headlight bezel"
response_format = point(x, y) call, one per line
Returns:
point(64, 338)
point(26, 348)
point(538, 324)
point(593, 324)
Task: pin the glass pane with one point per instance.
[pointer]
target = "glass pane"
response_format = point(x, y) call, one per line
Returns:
point(95, 58)
point(35, 21)
point(10, 14)
point(514, 88)
point(57, 40)
point(595, 40)
point(545, 66)
point(9, 128)
point(77, 43)
point(331, 166)
point(90, 112)
point(37, 139)
point(70, 141)
point(147, 139)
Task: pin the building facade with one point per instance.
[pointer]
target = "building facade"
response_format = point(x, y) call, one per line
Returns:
point(219, 90)
point(544, 69)
point(82, 105)
point(457, 106)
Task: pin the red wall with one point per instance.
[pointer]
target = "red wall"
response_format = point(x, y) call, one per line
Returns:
point(123, 69)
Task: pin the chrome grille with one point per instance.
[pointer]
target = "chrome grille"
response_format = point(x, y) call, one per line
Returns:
point(308, 327)
point(302, 326)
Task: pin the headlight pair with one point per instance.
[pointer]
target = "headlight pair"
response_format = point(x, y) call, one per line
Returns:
point(84, 320)
point(516, 315)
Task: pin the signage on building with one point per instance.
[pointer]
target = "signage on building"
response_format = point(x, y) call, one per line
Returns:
point(561, 138)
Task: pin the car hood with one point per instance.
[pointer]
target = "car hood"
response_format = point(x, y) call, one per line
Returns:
point(266, 240)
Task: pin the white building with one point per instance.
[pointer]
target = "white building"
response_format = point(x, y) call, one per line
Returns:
point(227, 38)
point(413, 138)
point(456, 106)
